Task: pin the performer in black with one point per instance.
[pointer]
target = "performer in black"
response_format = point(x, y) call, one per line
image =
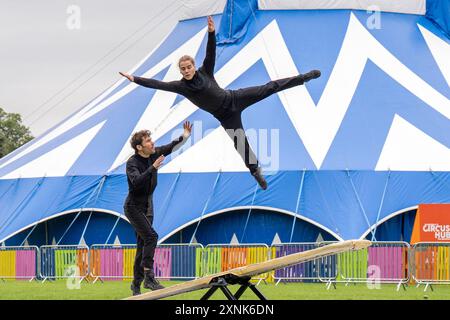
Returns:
point(201, 88)
point(142, 175)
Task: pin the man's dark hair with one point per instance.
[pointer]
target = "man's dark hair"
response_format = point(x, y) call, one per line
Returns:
point(138, 137)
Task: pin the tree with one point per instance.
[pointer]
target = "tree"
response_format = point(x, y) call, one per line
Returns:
point(13, 133)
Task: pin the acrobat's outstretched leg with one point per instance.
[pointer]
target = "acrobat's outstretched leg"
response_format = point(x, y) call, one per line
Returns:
point(245, 97)
point(242, 98)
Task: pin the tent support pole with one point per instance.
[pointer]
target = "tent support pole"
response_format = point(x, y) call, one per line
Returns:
point(249, 212)
point(206, 205)
point(381, 206)
point(359, 203)
point(96, 190)
point(112, 230)
point(298, 204)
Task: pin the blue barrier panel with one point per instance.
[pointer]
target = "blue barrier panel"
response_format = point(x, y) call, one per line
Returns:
point(48, 269)
point(184, 260)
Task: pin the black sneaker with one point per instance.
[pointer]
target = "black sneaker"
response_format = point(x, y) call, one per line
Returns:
point(152, 284)
point(135, 288)
point(313, 74)
point(260, 179)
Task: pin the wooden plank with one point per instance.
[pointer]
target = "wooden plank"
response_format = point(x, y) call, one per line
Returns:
point(255, 269)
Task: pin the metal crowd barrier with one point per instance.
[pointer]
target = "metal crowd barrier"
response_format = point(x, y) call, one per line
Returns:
point(302, 272)
point(111, 262)
point(382, 262)
point(171, 261)
point(59, 262)
point(182, 262)
point(19, 262)
point(430, 263)
point(223, 257)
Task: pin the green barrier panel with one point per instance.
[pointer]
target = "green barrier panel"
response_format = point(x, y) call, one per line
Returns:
point(63, 260)
point(213, 260)
point(199, 272)
point(352, 265)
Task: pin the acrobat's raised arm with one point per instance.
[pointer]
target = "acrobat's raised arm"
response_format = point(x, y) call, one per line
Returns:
point(167, 149)
point(173, 86)
point(210, 58)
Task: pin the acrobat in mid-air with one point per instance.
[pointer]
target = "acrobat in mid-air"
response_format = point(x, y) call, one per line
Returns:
point(201, 88)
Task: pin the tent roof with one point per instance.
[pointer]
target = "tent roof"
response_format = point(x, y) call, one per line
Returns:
point(375, 123)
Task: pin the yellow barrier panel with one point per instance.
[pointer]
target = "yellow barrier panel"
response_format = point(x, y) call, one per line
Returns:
point(442, 264)
point(257, 255)
point(273, 254)
point(8, 263)
point(128, 263)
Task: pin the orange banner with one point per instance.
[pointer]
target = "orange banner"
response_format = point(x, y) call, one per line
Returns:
point(432, 223)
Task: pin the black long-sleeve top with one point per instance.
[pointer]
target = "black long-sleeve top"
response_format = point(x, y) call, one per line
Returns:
point(202, 90)
point(143, 177)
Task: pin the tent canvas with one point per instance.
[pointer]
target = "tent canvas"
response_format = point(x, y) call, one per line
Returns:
point(366, 141)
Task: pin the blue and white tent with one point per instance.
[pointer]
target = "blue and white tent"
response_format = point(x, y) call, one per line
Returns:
point(367, 141)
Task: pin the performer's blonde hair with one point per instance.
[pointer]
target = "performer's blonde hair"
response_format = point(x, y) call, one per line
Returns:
point(186, 58)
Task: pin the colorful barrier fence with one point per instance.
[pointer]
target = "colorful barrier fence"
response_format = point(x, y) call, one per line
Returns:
point(383, 262)
point(59, 262)
point(171, 261)
point(18, 262)
point(430, 263)
point(223, 257)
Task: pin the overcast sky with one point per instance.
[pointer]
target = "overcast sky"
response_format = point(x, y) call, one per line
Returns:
point(50, 68)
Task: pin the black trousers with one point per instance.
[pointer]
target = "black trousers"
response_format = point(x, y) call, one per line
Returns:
point(141, 218)
point(231, 119)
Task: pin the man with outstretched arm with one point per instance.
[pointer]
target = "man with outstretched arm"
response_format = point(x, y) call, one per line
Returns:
point(142, 175)
point(201, 88)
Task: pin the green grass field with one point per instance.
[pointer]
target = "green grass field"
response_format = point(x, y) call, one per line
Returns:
point(112, 290)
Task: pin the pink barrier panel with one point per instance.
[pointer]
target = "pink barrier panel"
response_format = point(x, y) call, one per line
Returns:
point(111, 264)
point(163, 262)
point(389, 260)
point(25, 264)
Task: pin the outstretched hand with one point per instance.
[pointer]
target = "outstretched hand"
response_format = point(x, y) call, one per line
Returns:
point(158, 162)
point(126, 75)
point(187, 126)
point(211, 27)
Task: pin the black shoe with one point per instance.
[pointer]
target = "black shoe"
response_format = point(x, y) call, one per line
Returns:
point(151, 283)
point(260, 179)
point(313, 74)
point(136, 288)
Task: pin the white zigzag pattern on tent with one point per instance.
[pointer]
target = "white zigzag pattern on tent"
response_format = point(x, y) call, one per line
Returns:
point(315, 125)
point(420, 149)
point(440, 51)
point(55, 163)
